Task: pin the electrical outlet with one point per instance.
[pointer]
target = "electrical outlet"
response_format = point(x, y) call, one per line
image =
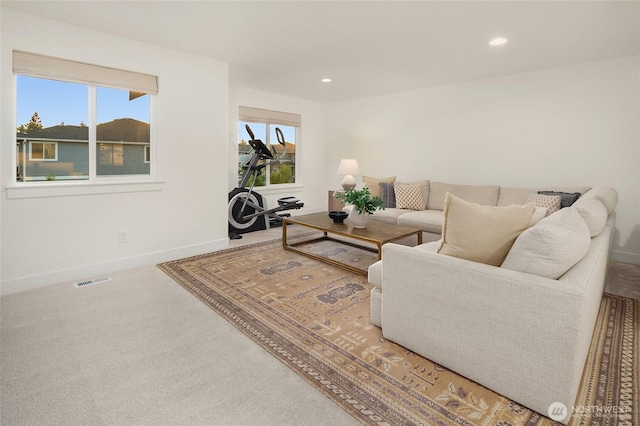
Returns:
point(123, 237)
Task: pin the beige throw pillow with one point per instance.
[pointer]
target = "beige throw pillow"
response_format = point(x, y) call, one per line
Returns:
point(482, 234)
point(409, 197)
point(374, 184)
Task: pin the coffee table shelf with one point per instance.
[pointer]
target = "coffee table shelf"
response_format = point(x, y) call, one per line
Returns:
point(376, 234)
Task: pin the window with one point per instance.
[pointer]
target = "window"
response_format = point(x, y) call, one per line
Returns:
point(43, 151)
point(78, 121)
point(263, 124)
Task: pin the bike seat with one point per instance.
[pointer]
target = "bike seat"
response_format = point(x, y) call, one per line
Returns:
point(287, 200)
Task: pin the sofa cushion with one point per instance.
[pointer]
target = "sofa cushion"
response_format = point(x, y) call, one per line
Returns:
point(552, 246)
point(539, 214)
point(594, 214)
point(388, 215)
point(485, 195)
point(550, 202)
point(427, 220)
point(431, 247)
point(388, 195)
point(607, 196)
point(374, 184)
point(375, 274)
point(409, 197)
point(481, 233)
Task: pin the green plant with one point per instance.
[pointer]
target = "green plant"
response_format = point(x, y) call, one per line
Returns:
point(281, 174)
point(361, 199)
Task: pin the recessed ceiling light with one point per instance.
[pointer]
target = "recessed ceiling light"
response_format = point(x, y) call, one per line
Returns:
point(498, 41)
point(326, 80)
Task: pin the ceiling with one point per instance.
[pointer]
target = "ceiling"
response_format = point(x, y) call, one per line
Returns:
point(366, 47)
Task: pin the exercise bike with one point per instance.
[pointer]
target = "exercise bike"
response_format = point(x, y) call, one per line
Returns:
point(246, 207)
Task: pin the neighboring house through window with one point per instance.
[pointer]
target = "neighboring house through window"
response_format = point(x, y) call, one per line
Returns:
point(87, 122)
point(263, 124)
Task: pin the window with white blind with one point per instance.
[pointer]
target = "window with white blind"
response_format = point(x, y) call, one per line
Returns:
point(263, 124)
point(82, 122)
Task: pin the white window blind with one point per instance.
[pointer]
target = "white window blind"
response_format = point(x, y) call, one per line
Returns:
point(41, 66)
point(257, 115)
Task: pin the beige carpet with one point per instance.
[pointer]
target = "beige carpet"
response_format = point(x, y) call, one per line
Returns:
point(315, 319)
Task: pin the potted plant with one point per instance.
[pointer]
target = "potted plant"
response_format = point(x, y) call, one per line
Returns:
point(363, 204)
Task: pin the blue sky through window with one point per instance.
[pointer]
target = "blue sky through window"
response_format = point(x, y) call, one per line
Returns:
point(61, 102)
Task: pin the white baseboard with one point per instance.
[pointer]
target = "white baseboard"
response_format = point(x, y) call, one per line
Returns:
point(96, 269)
point(620, 256)
point(91, 271)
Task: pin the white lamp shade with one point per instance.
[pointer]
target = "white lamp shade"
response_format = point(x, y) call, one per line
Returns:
point(348, 167)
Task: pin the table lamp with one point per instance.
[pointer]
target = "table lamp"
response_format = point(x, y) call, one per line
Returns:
point(348, 168)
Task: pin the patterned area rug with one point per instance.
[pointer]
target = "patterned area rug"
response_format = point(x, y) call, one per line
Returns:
point(315, 319)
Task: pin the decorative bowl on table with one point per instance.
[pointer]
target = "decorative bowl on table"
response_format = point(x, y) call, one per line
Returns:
point(338, 216)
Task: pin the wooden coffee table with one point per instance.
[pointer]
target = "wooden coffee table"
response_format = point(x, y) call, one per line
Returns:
point(376, 233)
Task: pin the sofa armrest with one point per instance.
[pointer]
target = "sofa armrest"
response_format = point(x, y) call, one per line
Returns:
point(514, 333)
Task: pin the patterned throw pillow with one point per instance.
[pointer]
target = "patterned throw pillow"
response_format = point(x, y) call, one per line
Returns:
point(550, 202)
point(409, 197)
point(568, 198)
point(388, 195)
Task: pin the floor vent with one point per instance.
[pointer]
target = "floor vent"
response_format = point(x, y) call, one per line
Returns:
point(93, 281)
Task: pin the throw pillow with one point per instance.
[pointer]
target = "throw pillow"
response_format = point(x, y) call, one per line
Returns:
point(551, 202)
point(539, 214)
point(388, 195)
point(409, 197)
point(552, 246)
point(567, 198)
point(594, 214)
point(374, 184)
point(481, 233)
point(606, 195)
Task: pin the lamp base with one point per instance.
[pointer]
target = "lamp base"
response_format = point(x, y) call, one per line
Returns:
point(348, 182)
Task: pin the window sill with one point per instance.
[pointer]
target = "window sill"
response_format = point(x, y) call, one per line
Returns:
point(30, 190)
point(279, 189)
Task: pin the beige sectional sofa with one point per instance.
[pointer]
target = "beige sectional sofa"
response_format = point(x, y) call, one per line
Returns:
point(514, 330)
point(431, 218)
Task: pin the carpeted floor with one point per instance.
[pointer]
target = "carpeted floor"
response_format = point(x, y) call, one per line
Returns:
point(315, 319)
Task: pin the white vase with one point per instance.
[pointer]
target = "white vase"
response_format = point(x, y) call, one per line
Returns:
point(359, 220)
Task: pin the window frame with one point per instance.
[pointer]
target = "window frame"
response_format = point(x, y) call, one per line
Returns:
point(34, 65)
point(271, 118)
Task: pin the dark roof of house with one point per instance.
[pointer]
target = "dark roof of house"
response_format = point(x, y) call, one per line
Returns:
point(121, 129)
point(61, 131)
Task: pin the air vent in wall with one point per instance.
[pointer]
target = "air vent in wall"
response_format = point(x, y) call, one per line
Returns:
point(93, 281)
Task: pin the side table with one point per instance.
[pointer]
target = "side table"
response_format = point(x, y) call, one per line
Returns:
point(334, 203)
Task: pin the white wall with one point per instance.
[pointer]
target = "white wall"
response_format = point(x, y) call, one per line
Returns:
point(311, 187)
point(575, 125)
point(54, 239)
